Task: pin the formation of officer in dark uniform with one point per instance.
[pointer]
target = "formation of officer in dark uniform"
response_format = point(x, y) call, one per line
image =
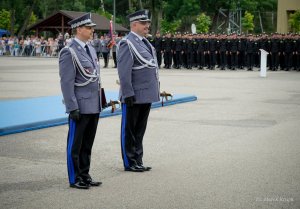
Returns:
point(224, 51)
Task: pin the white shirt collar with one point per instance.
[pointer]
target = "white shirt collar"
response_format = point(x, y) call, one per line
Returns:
point(81, 43)
point(140, 37)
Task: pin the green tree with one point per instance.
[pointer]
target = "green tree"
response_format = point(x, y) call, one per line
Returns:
point(33, 19)
point(203, 23)
point(247, 22)
point(171, 11)
point(5, 19)
point(74, 5)
point(170, 26)
point(104, 13)
point(15, 9)
point(27, 16)
point(294, 21)
point(184, 10)
point(156, 9)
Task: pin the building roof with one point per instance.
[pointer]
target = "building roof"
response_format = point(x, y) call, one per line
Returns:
point(60, 19)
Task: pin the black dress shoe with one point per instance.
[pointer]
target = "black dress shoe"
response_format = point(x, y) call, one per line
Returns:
point(134, 168)
point(80, 185)
point(145, 168)
point(90, 182)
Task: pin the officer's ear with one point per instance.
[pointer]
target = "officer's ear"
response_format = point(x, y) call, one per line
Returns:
point(78, 30)
point(132, 24)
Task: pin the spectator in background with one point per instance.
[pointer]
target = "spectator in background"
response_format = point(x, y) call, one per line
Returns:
point(48, 50)
point(67, 39)
point(16, 47)
point(1, 46)
point(105, 50)
point(38, 47)
point(60, 42)
point(96, 43)
point(11, 45)
point(43, 46)
point(21, 44)
point(6, 46)
point(53, 47)
point(114, 49)
point(27, 46)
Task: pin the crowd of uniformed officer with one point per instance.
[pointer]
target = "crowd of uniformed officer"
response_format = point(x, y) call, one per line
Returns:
point(227, 51)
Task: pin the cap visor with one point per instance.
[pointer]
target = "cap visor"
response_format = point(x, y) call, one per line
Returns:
point(90, 24)
point(144, 20)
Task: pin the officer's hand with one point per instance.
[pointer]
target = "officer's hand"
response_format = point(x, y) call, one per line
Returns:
point(75, 115)
point(129, 101)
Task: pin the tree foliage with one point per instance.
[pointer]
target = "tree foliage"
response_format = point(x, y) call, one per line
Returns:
point(247, 21)
point(5, 19)
point(294, 21)
point(33, 19)
point(173, 12)
point(203, 23)
point(170, 27)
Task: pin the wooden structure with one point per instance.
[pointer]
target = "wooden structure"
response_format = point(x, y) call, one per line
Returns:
point(58, 23)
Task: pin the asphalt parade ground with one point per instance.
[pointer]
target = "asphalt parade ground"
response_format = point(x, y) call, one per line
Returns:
point(237, 146)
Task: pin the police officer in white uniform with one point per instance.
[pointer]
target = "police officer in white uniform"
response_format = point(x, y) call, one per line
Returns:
point(139, 87)
point(79, 73)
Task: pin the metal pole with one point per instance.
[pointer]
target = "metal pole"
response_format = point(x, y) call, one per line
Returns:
point(114, 17)
point(240, 20)
point(102, 6)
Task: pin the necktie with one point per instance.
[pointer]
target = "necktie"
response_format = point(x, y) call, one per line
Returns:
point(148, 46)
point(88, 51)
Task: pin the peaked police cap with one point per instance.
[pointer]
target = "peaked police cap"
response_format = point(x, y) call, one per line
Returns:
point(84, 20)
point(141, 15)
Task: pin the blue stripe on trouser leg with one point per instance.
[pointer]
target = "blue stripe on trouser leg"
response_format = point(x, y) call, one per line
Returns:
point(70, 163)
point(123, 126)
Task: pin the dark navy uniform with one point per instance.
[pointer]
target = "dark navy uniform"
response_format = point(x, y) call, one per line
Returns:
point(233, 49)
point(167, 49)
point(206, 52)
point(189, 53)
point(241, 50)
point(158, 48)
point(222, 46)
point(212, 53)
point(195, 48)
point(250, 53)
point(274, 50)
point(200, 53)
point(177, 49)
point(184, 52)
point(288, 53)
point(151, 40)
point(298, 53)
point(256, 53)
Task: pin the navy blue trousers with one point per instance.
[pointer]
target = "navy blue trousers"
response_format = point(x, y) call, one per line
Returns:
point(79, 146)
point(133, 127)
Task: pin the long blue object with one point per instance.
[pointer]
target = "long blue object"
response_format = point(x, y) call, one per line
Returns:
point(43, 112)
